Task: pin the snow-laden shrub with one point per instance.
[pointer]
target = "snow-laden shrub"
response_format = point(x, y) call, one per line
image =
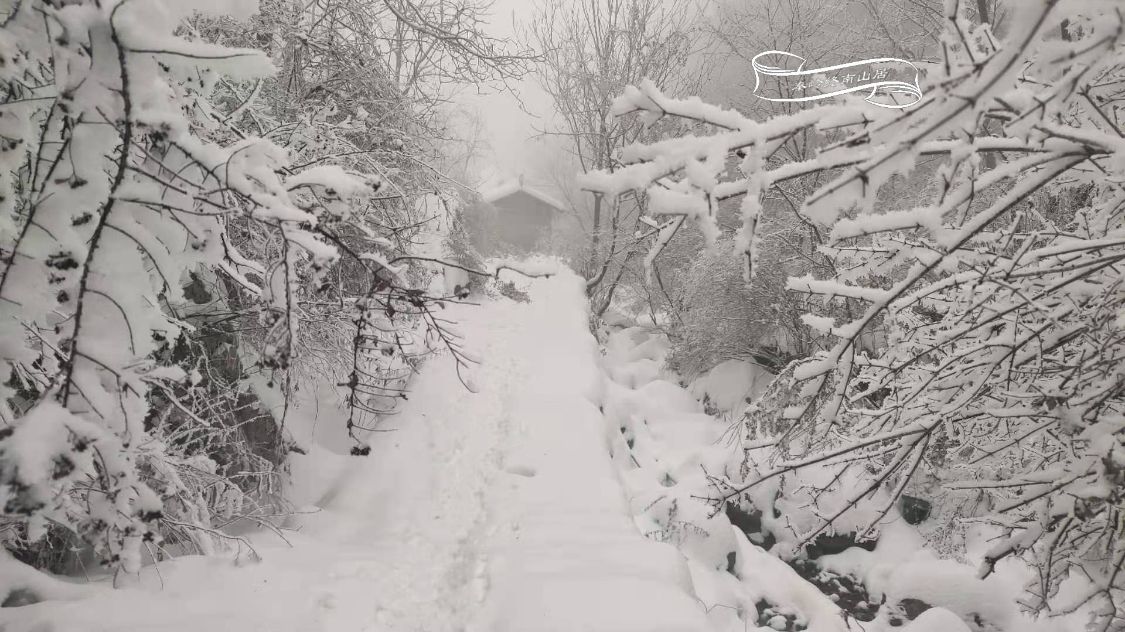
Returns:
point(458, 246)
point(996, 381)
point(720, 318)
point(137, 223)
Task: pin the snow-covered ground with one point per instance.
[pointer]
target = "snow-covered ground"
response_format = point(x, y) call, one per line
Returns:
point(568, 493)
point(498, 510)
point(672, 456)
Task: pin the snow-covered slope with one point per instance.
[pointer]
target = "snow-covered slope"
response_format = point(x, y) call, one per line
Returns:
point(666, 450)
point(672, 458)
point(494, 511)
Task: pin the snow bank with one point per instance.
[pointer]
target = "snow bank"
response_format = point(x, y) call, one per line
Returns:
point(732, 384)
point(666, 449)
point(21, 584)
point(900, 568)
point(775, 581)
point(937, 620)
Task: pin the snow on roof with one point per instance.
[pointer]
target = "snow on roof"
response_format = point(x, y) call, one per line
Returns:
point(512, 187)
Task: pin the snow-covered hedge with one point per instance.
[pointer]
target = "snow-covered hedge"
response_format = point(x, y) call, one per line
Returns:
point(137, 220)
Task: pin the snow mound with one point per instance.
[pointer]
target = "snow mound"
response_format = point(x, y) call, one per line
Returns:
point(937, 620)
point(901, 568)
point(777, 582)
point(664, 398)
point(21, 584)
point(732, 384)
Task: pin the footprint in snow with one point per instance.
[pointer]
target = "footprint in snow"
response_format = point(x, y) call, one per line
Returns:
point(520, 470)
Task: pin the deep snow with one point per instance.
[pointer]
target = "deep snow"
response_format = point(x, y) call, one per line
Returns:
point(666, 450)
point(566, 494)
point(488, 511)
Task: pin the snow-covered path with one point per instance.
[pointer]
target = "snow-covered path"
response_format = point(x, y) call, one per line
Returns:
point(566, 555)
point(491, 511)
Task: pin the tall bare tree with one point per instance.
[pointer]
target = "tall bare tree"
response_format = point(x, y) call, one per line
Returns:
point(592, 49)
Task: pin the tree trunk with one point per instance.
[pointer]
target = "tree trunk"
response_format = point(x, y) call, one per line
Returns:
point(988, 159)
point(595, 237)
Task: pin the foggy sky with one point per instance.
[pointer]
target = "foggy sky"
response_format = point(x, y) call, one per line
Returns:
point(508, 129)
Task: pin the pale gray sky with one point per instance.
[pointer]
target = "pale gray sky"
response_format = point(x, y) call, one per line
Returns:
point(508, 129)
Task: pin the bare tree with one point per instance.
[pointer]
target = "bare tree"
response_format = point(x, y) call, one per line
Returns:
point(592, 49)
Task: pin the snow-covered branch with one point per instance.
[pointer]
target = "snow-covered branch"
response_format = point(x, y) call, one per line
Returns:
point(990, 314)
